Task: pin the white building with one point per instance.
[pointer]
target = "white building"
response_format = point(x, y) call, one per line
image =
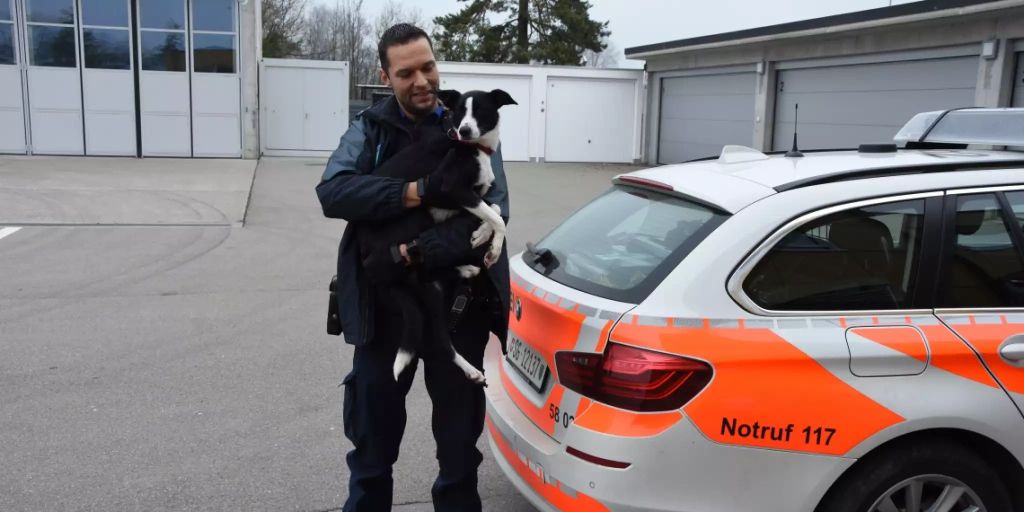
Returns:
point(857, 77)
point(129, 77)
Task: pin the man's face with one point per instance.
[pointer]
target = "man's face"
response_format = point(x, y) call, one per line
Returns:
point(412, 75)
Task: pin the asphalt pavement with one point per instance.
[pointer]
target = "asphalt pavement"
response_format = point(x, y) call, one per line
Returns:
point(162, 336)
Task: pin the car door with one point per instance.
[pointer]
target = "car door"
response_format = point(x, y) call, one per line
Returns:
point(980, 294)
point(849, 326)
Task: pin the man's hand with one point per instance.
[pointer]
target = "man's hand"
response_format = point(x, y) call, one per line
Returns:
point(412, 198)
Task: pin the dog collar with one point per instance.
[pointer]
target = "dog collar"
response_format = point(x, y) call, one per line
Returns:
point(486, 149)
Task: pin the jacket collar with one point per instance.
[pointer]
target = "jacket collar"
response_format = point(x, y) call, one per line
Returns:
point(387, 112)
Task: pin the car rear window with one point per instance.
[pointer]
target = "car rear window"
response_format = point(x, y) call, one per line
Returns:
point(624, 242)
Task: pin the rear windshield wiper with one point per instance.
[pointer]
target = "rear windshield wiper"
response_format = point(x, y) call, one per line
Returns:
point(541, 256)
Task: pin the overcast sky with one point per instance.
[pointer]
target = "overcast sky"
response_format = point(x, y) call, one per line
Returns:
point(640, 22)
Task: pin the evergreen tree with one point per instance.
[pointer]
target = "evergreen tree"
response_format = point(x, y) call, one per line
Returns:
point(520, 31)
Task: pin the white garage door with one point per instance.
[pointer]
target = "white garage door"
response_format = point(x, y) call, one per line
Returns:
point(305, 104)
point(700, 114)
point(163, 78)
point(590, 120)
point(844, 106)
point(108, 80)
point(55, 93)
point(216, 87)
point(12, 118)
point(515, 119)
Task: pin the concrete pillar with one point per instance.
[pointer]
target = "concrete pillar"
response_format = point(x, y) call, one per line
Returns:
point(995, 77)
point(764, 108)
point(653, 119)
point(250, 48)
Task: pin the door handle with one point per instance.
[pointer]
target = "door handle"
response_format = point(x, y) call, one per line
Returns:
point(1012, 348)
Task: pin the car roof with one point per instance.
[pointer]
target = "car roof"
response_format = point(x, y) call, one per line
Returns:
point(733, 186)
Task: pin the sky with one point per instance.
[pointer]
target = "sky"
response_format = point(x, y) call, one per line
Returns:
point(640, 22)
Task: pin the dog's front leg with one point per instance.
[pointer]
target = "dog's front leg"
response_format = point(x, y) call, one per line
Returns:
point(492, 216)
point(485, 231)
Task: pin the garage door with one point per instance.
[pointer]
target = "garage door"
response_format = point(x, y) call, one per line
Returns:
point(515, 119)
point(844, 106)
point(590, 120)
point(54, 84)
point(313, 119)
point(12, 120)
point(700, 114)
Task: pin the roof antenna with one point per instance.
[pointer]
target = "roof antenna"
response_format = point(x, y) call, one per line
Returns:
point(795, 153)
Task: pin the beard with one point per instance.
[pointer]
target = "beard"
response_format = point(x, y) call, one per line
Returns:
point(420, 105)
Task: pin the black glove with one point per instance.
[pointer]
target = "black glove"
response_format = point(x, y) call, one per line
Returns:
point(385, 265)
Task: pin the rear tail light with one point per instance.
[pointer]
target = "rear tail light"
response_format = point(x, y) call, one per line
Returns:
point(632, 378)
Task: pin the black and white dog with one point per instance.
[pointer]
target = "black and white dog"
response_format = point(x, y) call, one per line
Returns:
point(462, 159)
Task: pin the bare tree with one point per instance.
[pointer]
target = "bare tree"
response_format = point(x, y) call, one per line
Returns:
point(607, 58)
point(394, 12)
point(342, 32)
point(282, 27)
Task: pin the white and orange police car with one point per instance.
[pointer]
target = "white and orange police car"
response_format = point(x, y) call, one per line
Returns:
point(841, 331)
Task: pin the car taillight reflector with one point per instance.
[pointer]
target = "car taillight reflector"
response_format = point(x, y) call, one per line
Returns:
point(594, 459)
point(632, 378)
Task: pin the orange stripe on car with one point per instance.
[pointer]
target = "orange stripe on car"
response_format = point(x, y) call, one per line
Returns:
point(986, 339)
point(603, 340)
point(766, 392)
point(583, 405)
point(903, 339)
point(539, 415)
point(951, 354)
point(617, 422)
point(547, 328)
point(551, 493)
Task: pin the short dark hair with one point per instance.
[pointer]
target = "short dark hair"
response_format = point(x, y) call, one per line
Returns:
point(397, 35)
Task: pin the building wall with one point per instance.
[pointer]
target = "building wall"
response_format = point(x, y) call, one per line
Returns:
point(926, 36)
point(107, 75)
point(540, 79)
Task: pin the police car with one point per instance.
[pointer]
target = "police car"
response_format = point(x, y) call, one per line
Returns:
point(838, 331)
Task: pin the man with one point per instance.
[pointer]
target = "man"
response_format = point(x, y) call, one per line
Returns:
point(374, 410)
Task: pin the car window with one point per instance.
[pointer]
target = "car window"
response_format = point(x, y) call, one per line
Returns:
point(622, 244)
point(859, 259)
point(1016, 200)
point(985, 267)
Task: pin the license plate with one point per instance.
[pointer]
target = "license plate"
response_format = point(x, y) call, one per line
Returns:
point(529, 363)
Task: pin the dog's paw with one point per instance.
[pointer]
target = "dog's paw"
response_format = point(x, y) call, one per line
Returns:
point(468, 271)
point(476, 377)
point(481, 235)
point(492, 255)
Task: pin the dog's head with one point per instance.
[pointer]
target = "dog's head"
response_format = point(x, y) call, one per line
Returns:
point(475, 113)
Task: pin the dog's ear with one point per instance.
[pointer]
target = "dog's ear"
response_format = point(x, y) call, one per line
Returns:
point(449, 97)
point(502, 98)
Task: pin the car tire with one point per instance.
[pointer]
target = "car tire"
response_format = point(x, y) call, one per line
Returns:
point(931, 467)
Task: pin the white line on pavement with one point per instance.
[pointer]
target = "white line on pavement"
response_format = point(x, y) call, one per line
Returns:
point(8, 231)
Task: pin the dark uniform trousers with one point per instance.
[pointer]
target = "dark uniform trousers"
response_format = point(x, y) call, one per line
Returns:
point(375, 417)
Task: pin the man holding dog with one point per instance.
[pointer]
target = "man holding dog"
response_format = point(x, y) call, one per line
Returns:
point(374, 404)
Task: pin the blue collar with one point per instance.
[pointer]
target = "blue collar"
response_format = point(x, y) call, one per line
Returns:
point(438, 113)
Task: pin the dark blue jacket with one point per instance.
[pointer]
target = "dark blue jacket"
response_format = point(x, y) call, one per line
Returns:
point(348, 191)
